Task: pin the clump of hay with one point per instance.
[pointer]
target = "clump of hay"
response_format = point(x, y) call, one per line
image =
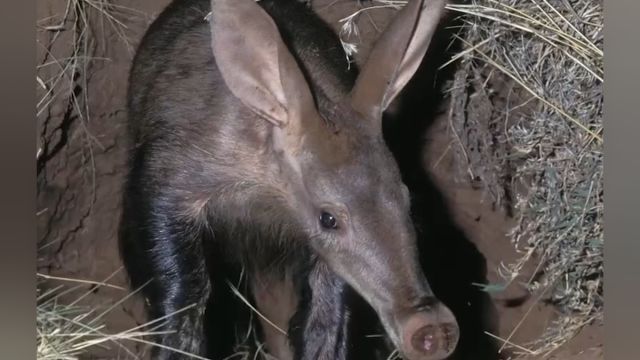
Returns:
point(543, 152)
point(526, 118)
point(68, 330)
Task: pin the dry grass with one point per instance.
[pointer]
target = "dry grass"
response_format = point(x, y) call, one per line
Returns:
point(550, 141)
point(538, 148)
point(68, 330)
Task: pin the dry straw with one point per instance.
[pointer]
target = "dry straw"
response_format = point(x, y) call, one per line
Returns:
point(68, 330)
point(543, 150)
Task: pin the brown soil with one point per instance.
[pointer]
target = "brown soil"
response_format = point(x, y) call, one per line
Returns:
point(80, 181)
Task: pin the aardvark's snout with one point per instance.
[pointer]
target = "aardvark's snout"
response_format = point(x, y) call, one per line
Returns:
point(429, 334)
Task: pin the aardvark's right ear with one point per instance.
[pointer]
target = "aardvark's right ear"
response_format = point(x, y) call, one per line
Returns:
point(396, 56)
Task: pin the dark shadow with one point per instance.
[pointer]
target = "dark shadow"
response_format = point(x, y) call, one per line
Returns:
point(451, 262)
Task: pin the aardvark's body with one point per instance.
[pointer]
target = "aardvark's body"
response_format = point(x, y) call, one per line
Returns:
point(256, 148)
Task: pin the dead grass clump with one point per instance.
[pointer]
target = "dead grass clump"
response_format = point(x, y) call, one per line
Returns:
point(545, 148)
point(68, 330)
point(526, 121)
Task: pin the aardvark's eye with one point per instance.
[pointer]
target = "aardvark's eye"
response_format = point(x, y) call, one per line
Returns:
point(328, 221)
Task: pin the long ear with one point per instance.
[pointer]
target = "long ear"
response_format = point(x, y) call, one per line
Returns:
point(255, 63)
point(396, 56)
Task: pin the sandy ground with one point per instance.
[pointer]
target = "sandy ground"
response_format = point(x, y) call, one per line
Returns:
point(80, 181)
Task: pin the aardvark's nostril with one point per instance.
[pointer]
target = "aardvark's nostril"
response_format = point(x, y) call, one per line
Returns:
point(430, 335)
point(425, 340)
point(440, 339)
point(450, 336)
